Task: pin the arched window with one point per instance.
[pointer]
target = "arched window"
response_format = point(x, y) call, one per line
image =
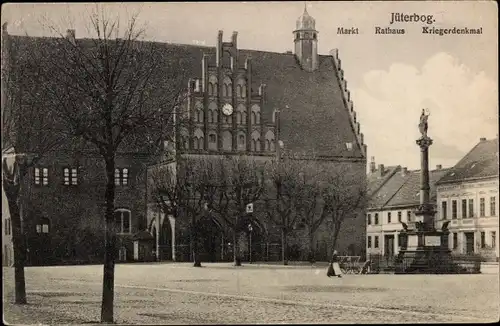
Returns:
point(243, 91)
point(215, 116)
point(238, 90)
point(123, 221)
point(198, 107)
point(200, 116)
point(228, 84)
point(272, 146)
point(43, 226)
point(256, 141)
point(241, 114)
point(210, 89)
point(224, 90)
point(270, 140)
point(198, 139)
point(255, 118)
point(268, 145)
point(212, 141)
point(216, 89)
point(242, 141)
point(212, 109)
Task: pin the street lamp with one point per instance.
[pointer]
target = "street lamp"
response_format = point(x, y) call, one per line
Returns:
point(250, 229)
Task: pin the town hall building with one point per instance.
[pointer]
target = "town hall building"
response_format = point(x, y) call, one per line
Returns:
point(239, 101)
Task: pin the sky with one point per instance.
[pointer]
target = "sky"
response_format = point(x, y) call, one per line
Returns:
point(391, 78)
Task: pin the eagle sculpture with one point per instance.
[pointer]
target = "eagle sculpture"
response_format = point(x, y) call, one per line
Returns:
point(405, 226)
point(445, 226)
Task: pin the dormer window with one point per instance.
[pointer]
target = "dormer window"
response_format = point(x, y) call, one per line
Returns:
point(70, 176)
point(348, 145)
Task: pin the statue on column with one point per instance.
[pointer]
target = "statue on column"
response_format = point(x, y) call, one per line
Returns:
point(422, 126)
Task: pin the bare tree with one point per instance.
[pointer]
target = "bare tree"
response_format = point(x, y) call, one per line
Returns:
point(183, 190)
point(344, 195)
point(28, 134)
point(118, 94)
point(311, 208)
point(285, 179)
point(236, 182)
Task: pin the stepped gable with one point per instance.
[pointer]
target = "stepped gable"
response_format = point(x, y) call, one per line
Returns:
point(317, 114)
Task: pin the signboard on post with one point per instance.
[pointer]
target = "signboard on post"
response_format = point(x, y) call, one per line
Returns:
point(249, 208)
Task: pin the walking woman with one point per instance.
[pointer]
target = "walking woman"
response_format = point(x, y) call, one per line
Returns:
point(334, 267)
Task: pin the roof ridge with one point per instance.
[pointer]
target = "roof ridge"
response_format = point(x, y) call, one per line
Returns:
point(396, 192)
point(386, 180)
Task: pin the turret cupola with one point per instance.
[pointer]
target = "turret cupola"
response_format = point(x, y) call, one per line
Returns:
point(306, 42)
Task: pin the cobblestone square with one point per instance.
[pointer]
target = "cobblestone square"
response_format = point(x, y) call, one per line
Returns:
point(222, 294)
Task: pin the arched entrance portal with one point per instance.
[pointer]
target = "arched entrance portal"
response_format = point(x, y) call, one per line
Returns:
point(210, 240)
point(164, 239)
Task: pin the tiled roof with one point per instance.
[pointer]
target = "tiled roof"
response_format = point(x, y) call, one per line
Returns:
point(388, 190)
point(375, 180)
point(409, 193)
point(316, 120)
point(480, 162)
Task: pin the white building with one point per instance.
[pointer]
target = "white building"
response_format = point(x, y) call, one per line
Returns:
point(394, 197)
point(467, 196)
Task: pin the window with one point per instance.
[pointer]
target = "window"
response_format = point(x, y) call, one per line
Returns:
point(121, 177)
point(408, 216)
point(455, 240)
point(348, 145)
point(7, 226)
point(212, 138)
point(43, 226)
point(389, 217)
point(493, 206)
point(482, 207)
point(483, 239)
point(399, 217)
point(241, 140)
point(369, 217)
point(453, 209)
point(464, 208)
point(376, 242)
point(493, 239)
point(444, 210)
point(471, 207)
point(41, 176)
point(122, 220)
point(369, 241)
point(376, 219)
point(70, 176)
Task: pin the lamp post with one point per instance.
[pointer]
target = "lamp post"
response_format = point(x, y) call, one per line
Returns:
point(250, 229)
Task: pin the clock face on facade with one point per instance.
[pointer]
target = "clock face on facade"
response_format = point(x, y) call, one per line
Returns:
point(227, 109)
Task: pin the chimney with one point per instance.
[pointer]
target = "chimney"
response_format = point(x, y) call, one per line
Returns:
point(381, 169)
point(439, 167)
point(482, 139)
point(404, 171)
point(71, 35)
point(234, 39)
point(373, 167)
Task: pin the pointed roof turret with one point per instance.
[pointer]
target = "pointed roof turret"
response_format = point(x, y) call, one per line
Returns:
point(306, 21)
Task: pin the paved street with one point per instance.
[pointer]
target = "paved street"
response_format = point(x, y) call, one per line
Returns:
point(220, 293)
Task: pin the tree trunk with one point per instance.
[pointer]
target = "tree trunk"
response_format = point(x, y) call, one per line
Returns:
point(194, 243)
point(18, 242)
point(312, 259)
point(109, 246)
point(284, 246)
point(335, 237)
point(236, 248)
